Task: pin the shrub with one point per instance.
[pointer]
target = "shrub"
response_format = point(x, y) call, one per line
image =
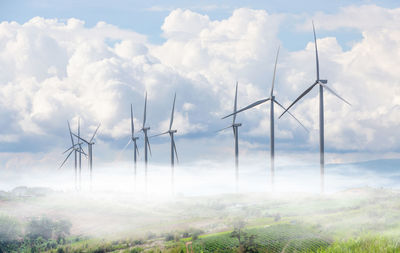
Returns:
point(169, 237)
point(10, 232)
point(42, 227)
point(150, 235)
point(136, 250)
point(47, 229)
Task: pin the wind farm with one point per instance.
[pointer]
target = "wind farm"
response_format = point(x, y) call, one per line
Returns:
point(90, 144)
point(272, 124)
point(235, 127)
point(322, 84)
point(135, 147)
point(173, 152)
point(249, 151)
point(146, 142)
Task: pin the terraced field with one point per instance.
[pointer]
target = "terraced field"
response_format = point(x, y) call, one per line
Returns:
point(277, 238)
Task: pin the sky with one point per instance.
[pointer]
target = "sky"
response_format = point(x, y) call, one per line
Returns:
point(89, 60)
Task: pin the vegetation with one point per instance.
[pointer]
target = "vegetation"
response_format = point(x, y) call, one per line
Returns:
point(10, 233)
point(364, 244)
point(276, 238)
point(362, 220)
point(41, 234)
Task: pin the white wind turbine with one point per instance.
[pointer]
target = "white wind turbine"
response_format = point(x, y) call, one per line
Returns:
point(322, 84)
point(272, 124)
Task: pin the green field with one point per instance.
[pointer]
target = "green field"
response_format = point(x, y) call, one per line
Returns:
point(358, 220)
point(276, 238)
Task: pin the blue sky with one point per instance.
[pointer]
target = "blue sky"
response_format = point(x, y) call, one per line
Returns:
point(155, 46)
point(146, 17)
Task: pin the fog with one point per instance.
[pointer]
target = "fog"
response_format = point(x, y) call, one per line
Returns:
point(206, 177)
point(204, 198)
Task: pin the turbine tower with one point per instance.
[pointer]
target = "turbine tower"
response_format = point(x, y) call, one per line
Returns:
point(80, 154)
point(272, 121)
point(174, 152)
point(235, 127)
point(322, 84)
point(135, 147)
point(146, 142)
point(75, 148)
point(90, 144)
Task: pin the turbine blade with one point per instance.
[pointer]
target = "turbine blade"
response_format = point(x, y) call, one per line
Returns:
point(298, 121)
point(94, 133)
point(79, 126)
point(273, 78)
point(144, 113)
point(248, 107)
point(223, 129)
point(159, 134)
point(122, 151)
point(68, 150)
point(235, 105)
point(136, 148)
point(72, 147)
point(80, 138)
point(70, 133)
point(132, 125)
point(82, 151)
point(297, 99)
point(172, 113)
point(148, 144)
point(66, 158)
point(176, 152)
point(333, 92)
point(316, 50)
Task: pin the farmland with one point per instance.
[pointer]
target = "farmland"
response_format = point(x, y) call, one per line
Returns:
point(100, 222)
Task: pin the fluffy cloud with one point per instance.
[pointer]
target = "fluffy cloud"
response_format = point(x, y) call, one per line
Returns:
point(53, 71)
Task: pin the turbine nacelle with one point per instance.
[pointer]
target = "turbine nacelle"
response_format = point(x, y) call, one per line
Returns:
point(323, 81)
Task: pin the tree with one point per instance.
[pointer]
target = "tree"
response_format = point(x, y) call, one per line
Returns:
point(246, 242)
point(48, 229)
point(10, 232)
point(249, 244)
point(238, 230)
point(40, 227)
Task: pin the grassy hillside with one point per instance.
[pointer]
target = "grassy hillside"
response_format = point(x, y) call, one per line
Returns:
point(357, 219)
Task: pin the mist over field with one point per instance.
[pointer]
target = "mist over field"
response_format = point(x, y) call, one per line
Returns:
point(210, 178)
point(101, 76)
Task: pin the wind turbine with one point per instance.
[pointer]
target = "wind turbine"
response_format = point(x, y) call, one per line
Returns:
point(322, 84)
point(75, 148)
point(90, 144)
point(272, 122)
point(235, 129)
point(146, 141)
point(173, 146)
point(80, 153)
point(135, 147)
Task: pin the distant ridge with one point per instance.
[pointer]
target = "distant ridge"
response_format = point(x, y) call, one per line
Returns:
point(380, 166)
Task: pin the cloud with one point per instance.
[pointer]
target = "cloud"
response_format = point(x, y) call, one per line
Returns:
point(53, 71)
point(364, 17)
